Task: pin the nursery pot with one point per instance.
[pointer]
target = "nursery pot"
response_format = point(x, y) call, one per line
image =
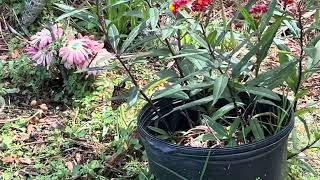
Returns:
point(261, 160)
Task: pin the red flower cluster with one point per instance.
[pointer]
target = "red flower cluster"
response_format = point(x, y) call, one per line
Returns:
point(259, 9)
point(287, 1)
point(177, 4)
point(201, 5)
point(197, 5)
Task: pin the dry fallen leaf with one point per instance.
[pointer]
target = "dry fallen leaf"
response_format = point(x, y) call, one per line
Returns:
point(69, 165)
point(22, 137)
point(9, 159)
point(15, 54)
point(25, 161)
point(29, 128)
point(78, 158)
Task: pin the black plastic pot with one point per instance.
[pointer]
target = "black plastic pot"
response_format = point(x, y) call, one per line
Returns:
point(264, 159)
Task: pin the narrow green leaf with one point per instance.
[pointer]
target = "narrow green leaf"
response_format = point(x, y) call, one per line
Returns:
point(219, 86)
point(113, 35)
point(306, 127)
point(154, 17)
point(256, 129)
point(234, 126)
point(260, 91)
point(212, 37)
point(133, 34)
point(69, 14)
point(198, 102)
point(267, 17)
point(264, 44)
point(133, 96)
point(222, 111)
point(158, 130)
point(218, 128)
point(249, 19)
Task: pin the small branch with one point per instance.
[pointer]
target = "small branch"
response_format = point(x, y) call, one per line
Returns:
point(301, 57)
point(303, 149)
point(167, 42)
point(220, 70)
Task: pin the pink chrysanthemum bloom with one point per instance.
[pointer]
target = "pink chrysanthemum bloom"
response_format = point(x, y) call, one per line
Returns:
point(76, 52)
point(43, 57)
point(95, 46)
point(31, 51)
point(44, 37)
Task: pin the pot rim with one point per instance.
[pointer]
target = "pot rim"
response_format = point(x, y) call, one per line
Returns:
point(268, 141)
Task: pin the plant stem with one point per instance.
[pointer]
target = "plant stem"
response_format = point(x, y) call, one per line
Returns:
point(118, 56)
point(300, 67)
point(102, 23)
point(176, 61)
point(220, 70)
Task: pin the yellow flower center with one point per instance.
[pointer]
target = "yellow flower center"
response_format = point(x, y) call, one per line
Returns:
point(171, 7)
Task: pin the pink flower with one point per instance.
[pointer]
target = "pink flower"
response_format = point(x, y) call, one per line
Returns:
point(44, 37)
point(31, 51)
point(95, 46)
point(43, 57)
point(259, 9)
point(76, 52)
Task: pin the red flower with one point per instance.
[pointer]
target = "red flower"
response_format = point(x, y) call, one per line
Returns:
point(286, 2)
point(259, 9)
point(201, 5)
point(176, 5)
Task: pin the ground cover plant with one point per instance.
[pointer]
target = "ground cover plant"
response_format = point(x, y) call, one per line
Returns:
point(73, 81)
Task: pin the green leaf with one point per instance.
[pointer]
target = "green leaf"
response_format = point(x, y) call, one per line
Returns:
point(154, 17)
point(249, 19)
point(133, 34)
point(198, 102)
point(212, 37)
point(219, 86)
point(274, 77)
point(306, 127)
point(169, 91)
point(267, 40)
point(218, 128)
point(158, 130)
point(314, 56)
point(264, 44)
point(267, 17)
point(113, 35)
point(260, 91)
point(83, 15)
point(234, 126)
point(199, 39)
point(222, 111)
point(133, 96)
point(256, 129)
point(118, 2)
point(71, 13)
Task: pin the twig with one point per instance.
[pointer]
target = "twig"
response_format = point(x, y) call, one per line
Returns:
point(170, 47)
point(303, 149)
point(35, 142)
point(301, 57)
point(220, 70)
